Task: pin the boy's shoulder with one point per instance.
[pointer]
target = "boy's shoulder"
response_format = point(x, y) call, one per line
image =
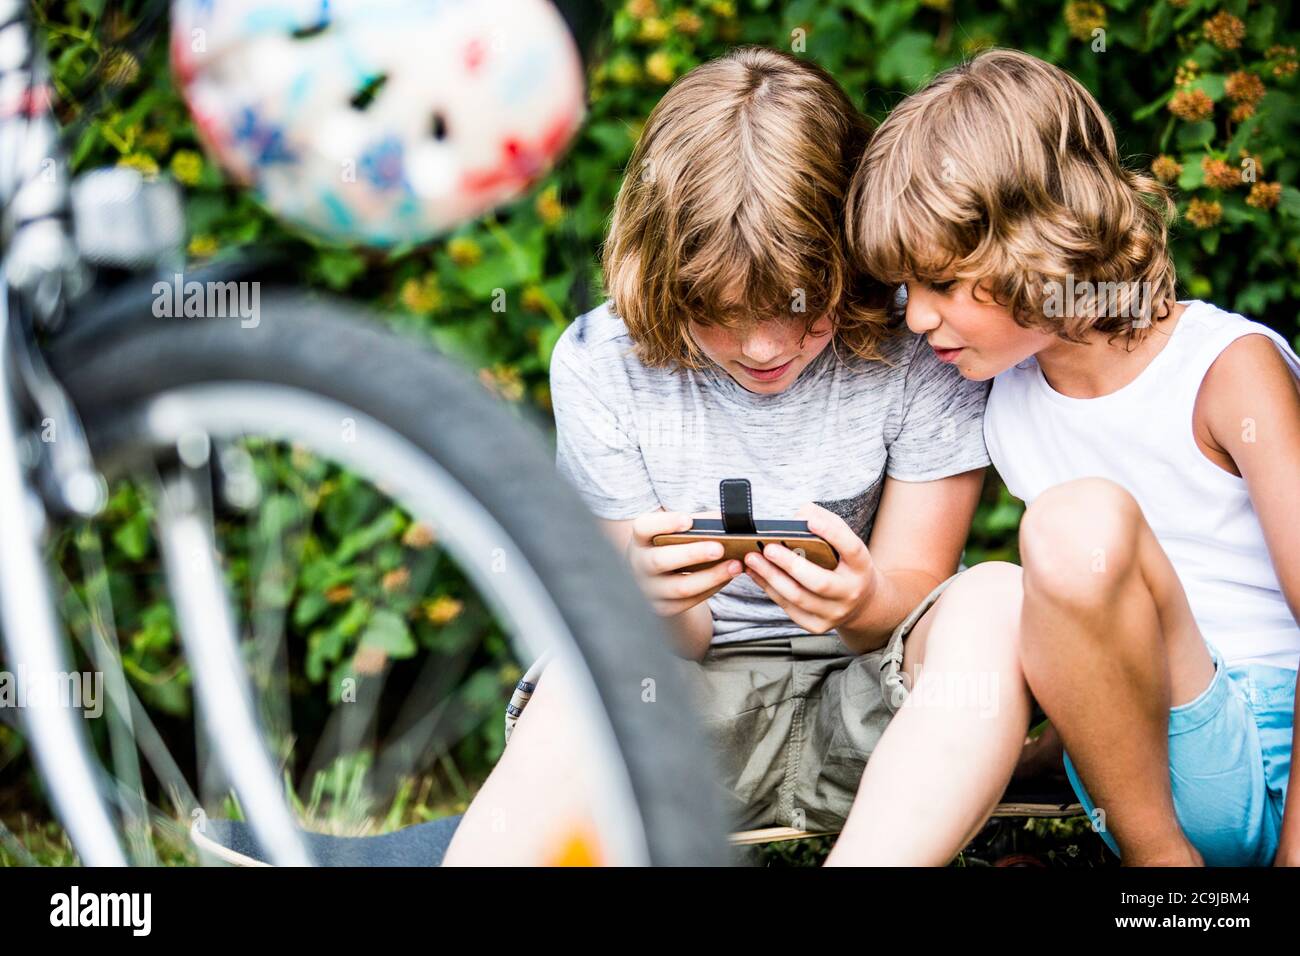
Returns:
point(597, 341)
point(596, 331)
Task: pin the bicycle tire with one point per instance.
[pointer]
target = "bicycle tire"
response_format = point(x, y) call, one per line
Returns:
point(339, 352)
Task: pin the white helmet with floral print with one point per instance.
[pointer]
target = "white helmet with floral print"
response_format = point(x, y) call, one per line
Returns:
point(379, 121)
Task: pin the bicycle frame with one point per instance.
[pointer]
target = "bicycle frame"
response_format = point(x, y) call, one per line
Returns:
point(40, 251)
point(32, 639)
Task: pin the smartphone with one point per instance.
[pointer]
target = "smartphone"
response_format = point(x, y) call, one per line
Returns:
point(793, 534)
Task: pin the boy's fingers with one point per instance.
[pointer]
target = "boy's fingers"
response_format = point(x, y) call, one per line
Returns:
point(836, 532)
point(816, 579)
point(646, 526)
point(698, 584)
point(663, 558)
point(793, 611)
point(790, 590)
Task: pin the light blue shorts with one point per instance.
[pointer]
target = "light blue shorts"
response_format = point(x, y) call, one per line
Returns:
point(1229, 760)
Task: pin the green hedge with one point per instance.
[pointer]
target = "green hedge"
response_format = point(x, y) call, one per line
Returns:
point(1194, 88)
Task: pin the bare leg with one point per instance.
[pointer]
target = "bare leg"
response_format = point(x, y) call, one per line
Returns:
point(948, 754)
point(1109, 644)
point(535, 798)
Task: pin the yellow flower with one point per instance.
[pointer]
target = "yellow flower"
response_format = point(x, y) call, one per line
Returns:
point(1166, 169)
point(1203, 214)
point(534, 299)
point(464, 251)
point(1084, 16)
point(624, 71)
point(723, 8)
point(640, 9)
point(338, 593)
point(1191, 105)
point(442, 610)
point(121, 68)
point(1285, 55)
point(187, 166)
point(1244, 87)
point(549, 208)
point(1264, 195)
point(422, 296)
point(653, 30)
point(1219, 175)
point(659, 67)
point(687, 22)
point(156, 141)
point(1225, 30)
point(146, 164)
point(395, 580)
point(202, 246)
point(503, 380)
point(419, 536)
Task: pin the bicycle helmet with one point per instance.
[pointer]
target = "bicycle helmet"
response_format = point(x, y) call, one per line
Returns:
point(379, 121)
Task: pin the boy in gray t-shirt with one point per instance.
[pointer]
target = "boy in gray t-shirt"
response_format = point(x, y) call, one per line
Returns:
point(634, 440)
point(740, 342)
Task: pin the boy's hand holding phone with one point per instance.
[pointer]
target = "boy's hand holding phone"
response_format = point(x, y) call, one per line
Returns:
point(816, 599)
point(658, 568)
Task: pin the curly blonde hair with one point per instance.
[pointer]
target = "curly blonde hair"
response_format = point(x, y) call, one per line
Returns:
point(1004, 170)
point(731, 210)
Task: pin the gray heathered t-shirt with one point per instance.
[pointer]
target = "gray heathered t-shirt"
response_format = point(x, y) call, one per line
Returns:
point(634, 439)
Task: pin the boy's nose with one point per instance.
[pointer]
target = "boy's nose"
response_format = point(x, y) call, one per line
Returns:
point(759, 350)
point(922, 317)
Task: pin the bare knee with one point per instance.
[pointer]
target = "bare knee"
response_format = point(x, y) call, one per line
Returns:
point(543, 735)
point(980, 610)
point(1078, 541)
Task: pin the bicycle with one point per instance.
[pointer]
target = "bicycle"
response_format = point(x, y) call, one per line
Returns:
point(190, 409)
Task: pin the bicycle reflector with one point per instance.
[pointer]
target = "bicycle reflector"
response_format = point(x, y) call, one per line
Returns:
point(379, 121)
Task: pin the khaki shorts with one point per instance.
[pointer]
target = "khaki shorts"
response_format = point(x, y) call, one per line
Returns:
point(792, 721)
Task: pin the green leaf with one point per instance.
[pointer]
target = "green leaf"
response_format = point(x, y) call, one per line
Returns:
point(1191, 135)
point(908, 60)
point(1153, 107)
point(1211, 83)
point(546, 342)
point(309, 609)
point(1192, 175)
point(1289, 204)
point(388, 525)
point(133, 536)
point(389, 633)
point(338, 267)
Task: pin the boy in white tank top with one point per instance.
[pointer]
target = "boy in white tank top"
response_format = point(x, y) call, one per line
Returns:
point(1156, 443)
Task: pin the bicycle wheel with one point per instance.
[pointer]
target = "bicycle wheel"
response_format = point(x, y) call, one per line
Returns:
point(325, 378)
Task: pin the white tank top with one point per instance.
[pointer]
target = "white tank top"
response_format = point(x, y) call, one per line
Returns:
point(1141, 438)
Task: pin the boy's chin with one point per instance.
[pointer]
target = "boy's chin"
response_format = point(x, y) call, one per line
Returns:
point(977, 373)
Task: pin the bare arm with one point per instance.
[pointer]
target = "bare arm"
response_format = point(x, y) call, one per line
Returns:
point(916, 542)
point(1249, 408)
point(681, 599)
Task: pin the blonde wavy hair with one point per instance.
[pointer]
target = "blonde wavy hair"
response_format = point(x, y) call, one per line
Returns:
point(1004, 170)
point(731, 210)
